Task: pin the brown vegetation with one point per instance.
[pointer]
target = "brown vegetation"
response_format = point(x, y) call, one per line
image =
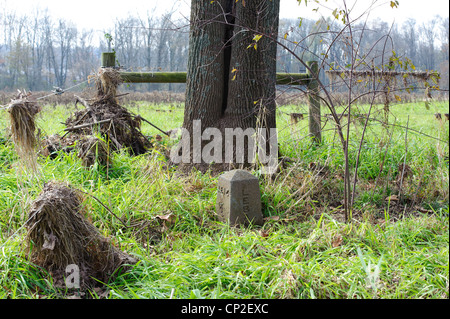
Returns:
point(22, 111)
point(59, 235)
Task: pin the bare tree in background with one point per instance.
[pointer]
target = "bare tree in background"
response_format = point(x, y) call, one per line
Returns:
point(60, 39)
point(38, 52)
point(428, 34)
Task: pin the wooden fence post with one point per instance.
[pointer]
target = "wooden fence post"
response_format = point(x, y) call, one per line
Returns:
point(108, 60)
point(314, 102)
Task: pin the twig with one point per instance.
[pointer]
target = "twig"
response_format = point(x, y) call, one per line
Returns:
point(347, 188)
point(115, 142)
point(360, 148)
point(83, 101)
point(141, 118)
point(82, 118)
point(120, 95)
point(86, 125)
point(87, 106)
point(381, 73)
point(77, 122)
point(404, 162)
point(106, 207)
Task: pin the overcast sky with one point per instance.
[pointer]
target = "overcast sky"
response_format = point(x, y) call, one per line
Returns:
point(100, 14)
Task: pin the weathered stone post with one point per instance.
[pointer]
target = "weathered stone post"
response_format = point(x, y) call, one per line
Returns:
point(239, 199)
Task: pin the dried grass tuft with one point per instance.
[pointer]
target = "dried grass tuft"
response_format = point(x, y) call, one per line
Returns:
point(53, 144)
point(118, 126)
point(22, 112)
point(93, 150)
point(59, 235)
point(107, 81)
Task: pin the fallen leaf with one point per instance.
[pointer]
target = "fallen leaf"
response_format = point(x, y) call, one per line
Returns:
point(274, 218)
point(423, 210)
point(101, 292)
point(392, 198)
point(49, 241)
point(264, 234)
point(169, 218)
point(337, 241)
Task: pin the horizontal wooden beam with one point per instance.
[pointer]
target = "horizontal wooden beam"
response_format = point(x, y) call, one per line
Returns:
point(368, 73)
point(293, 79)
point(156, 77)
point(180, 77)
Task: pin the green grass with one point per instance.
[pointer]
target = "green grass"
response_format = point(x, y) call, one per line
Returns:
point(230, 264)
point(306, 251)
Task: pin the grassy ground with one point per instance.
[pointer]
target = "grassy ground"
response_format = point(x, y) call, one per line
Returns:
point(392, 249)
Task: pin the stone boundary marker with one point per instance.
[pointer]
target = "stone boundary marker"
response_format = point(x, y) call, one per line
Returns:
point(239, 199)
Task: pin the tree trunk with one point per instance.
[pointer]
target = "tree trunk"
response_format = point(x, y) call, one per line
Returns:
point(205, 74)
point(253, 89)
point(231, 73)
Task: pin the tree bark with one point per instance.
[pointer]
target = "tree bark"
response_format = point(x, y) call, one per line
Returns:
point(253, 89)
point(205, 74)
point(231, 77)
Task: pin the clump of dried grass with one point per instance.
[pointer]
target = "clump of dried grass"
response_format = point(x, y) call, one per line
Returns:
point(22, 111)
point(107, 81)
point(53, 144)
point(60, 235)
point(117, 125)
point(91, 149)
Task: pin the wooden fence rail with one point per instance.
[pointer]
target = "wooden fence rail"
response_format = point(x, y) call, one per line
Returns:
point(306, 79)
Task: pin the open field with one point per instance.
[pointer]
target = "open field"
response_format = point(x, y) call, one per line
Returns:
point(392, 249)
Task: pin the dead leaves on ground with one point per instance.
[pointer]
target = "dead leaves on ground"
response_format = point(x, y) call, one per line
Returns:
point(167, 221)
point(392, 198)
point(337, 241)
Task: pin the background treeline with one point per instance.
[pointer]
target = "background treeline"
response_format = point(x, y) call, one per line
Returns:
point(39, 52)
